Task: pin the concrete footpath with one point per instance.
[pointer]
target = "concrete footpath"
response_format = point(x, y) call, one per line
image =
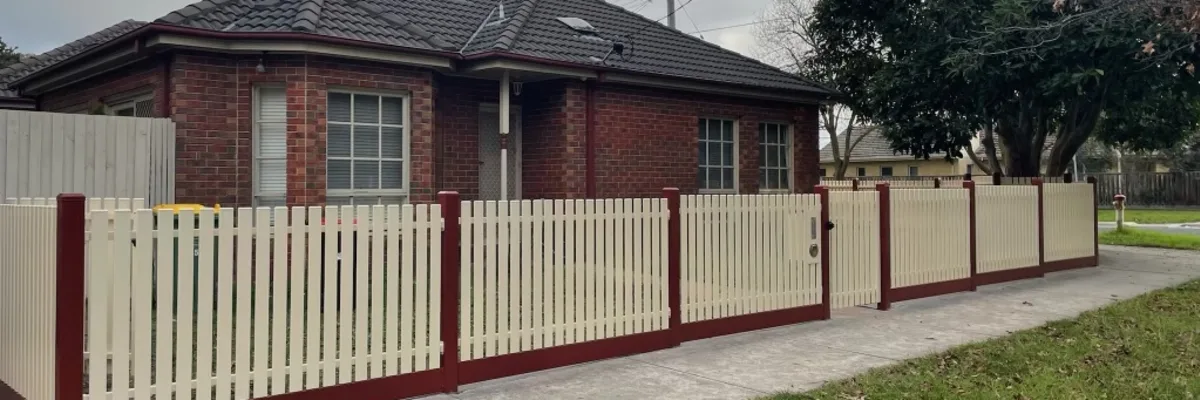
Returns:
point(804, 356)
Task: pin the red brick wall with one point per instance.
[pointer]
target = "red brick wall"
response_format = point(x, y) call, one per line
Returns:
point(554, 134)
point(458, 102)
point(212, 105)
point(133, 80)
point(647, 139)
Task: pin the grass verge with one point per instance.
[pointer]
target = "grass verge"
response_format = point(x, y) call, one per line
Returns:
point(1147, 347)
point(1147, 238)
point(1152, 216)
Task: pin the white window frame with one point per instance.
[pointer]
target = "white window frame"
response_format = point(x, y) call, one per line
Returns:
point(255, 113)
point(791, 164)
point(129, 103)
point(702, 163)
point(406, 131)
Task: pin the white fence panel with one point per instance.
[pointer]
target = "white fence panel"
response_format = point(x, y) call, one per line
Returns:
point(1070, 221)
point(252, 303)
point(854, 270)
point(1006, 227)
point(45, 154)
point(749, 254)
point(27, 299)
point(545, 273)
point(930, 238)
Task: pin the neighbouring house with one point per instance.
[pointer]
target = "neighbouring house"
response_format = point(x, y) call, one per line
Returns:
point(1136, 162)
point(874, 157)
point(303, 102)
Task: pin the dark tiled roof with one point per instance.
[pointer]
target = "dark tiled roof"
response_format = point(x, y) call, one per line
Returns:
point(872, 147)
point(28, 66)
point(528, 28)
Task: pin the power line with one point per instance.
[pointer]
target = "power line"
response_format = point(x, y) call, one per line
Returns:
point(735, 26)
point(643, 28)
point(693, 21)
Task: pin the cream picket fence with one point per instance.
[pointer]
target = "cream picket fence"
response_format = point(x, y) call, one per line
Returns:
point(93, 203)
point(854, 269)
point(276, 302)
point(1070, 225)
point(544, 273)
point(930, 238)
point(749, 254)
point(28, 287)
point(1006, 227)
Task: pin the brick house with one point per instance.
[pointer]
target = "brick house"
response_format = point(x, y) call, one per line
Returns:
point(305, 102)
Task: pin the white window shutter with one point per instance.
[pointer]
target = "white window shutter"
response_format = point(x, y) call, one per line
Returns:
point(271, 142)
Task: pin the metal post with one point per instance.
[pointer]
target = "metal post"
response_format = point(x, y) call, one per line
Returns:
point(674, 271)
point(450, 289)
point(885, 246)
point(671, 13)
point(505, 86)
point(68, 319)
point(970, 186)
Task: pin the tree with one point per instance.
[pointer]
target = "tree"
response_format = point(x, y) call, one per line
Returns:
point(784, 33)
point(8, 55)
point(1016, 72)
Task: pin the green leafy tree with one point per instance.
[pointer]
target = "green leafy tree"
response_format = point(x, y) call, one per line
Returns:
point(8, 55)
point(1018, 72)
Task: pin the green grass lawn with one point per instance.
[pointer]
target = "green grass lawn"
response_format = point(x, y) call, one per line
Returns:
point(1146, 238)
point(1153, 216)
point(1147, 347)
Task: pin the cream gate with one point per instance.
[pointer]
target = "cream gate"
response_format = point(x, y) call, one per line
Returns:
point(749, 254)
point(1070, 221)
point(854, 270)
point(930, 237)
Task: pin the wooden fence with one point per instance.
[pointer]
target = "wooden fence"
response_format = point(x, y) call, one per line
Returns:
point(1149, 189)
point(28, 284)
point(377, 302)
point(45, 154)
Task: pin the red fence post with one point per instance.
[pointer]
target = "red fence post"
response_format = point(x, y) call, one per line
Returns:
point(823, 191)
point(885, 245)
point(937, 183)
point(854, 184)
point(970, 186)
point(1041, 225)
point(1091, 180)
point(68, 317)
point(996, 178)
point(451, 278)
point(674, 275)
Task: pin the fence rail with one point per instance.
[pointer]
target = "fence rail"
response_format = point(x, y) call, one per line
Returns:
point(379, 302)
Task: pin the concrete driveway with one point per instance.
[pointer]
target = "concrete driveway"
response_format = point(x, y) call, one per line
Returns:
point(804, 356)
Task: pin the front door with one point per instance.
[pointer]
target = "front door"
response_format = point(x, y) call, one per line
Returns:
point(489, 153)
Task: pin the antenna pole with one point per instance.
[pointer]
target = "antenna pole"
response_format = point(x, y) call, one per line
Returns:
point(671, 13)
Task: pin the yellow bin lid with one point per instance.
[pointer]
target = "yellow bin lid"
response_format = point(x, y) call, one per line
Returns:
point(177, 207)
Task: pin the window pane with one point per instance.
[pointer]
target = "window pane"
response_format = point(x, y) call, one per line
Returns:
point(144, 108)
point(714, 178)
point(703, 129)
point(714, 154)
point(338, 140)
point(727, 179)
point(783, 156)
point(703, 154)
point(701, 178)
point(366, 141)
point(338, 174)
point(762, 178)
point(338, 200)
point(366, 174)
point(772, 156)
point(272, 176)
point(366, 109)
point(339, 107)
point(785, 179)
point(392, 175)
point(393, 143)
point(393, 110)
point(272, 139)
point(270, 201)
point(124, 112)
point(387, 200)
point(727, 154)
point(727, 130)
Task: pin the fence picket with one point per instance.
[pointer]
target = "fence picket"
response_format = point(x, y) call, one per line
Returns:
point(377, 291)
point(393, 300)
point(278, 308)
point(330, 294)
point(539, 273)
point(361, 260)
point(528, 286)
point(421, 311)
point(407, 283)
point(298, 270)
